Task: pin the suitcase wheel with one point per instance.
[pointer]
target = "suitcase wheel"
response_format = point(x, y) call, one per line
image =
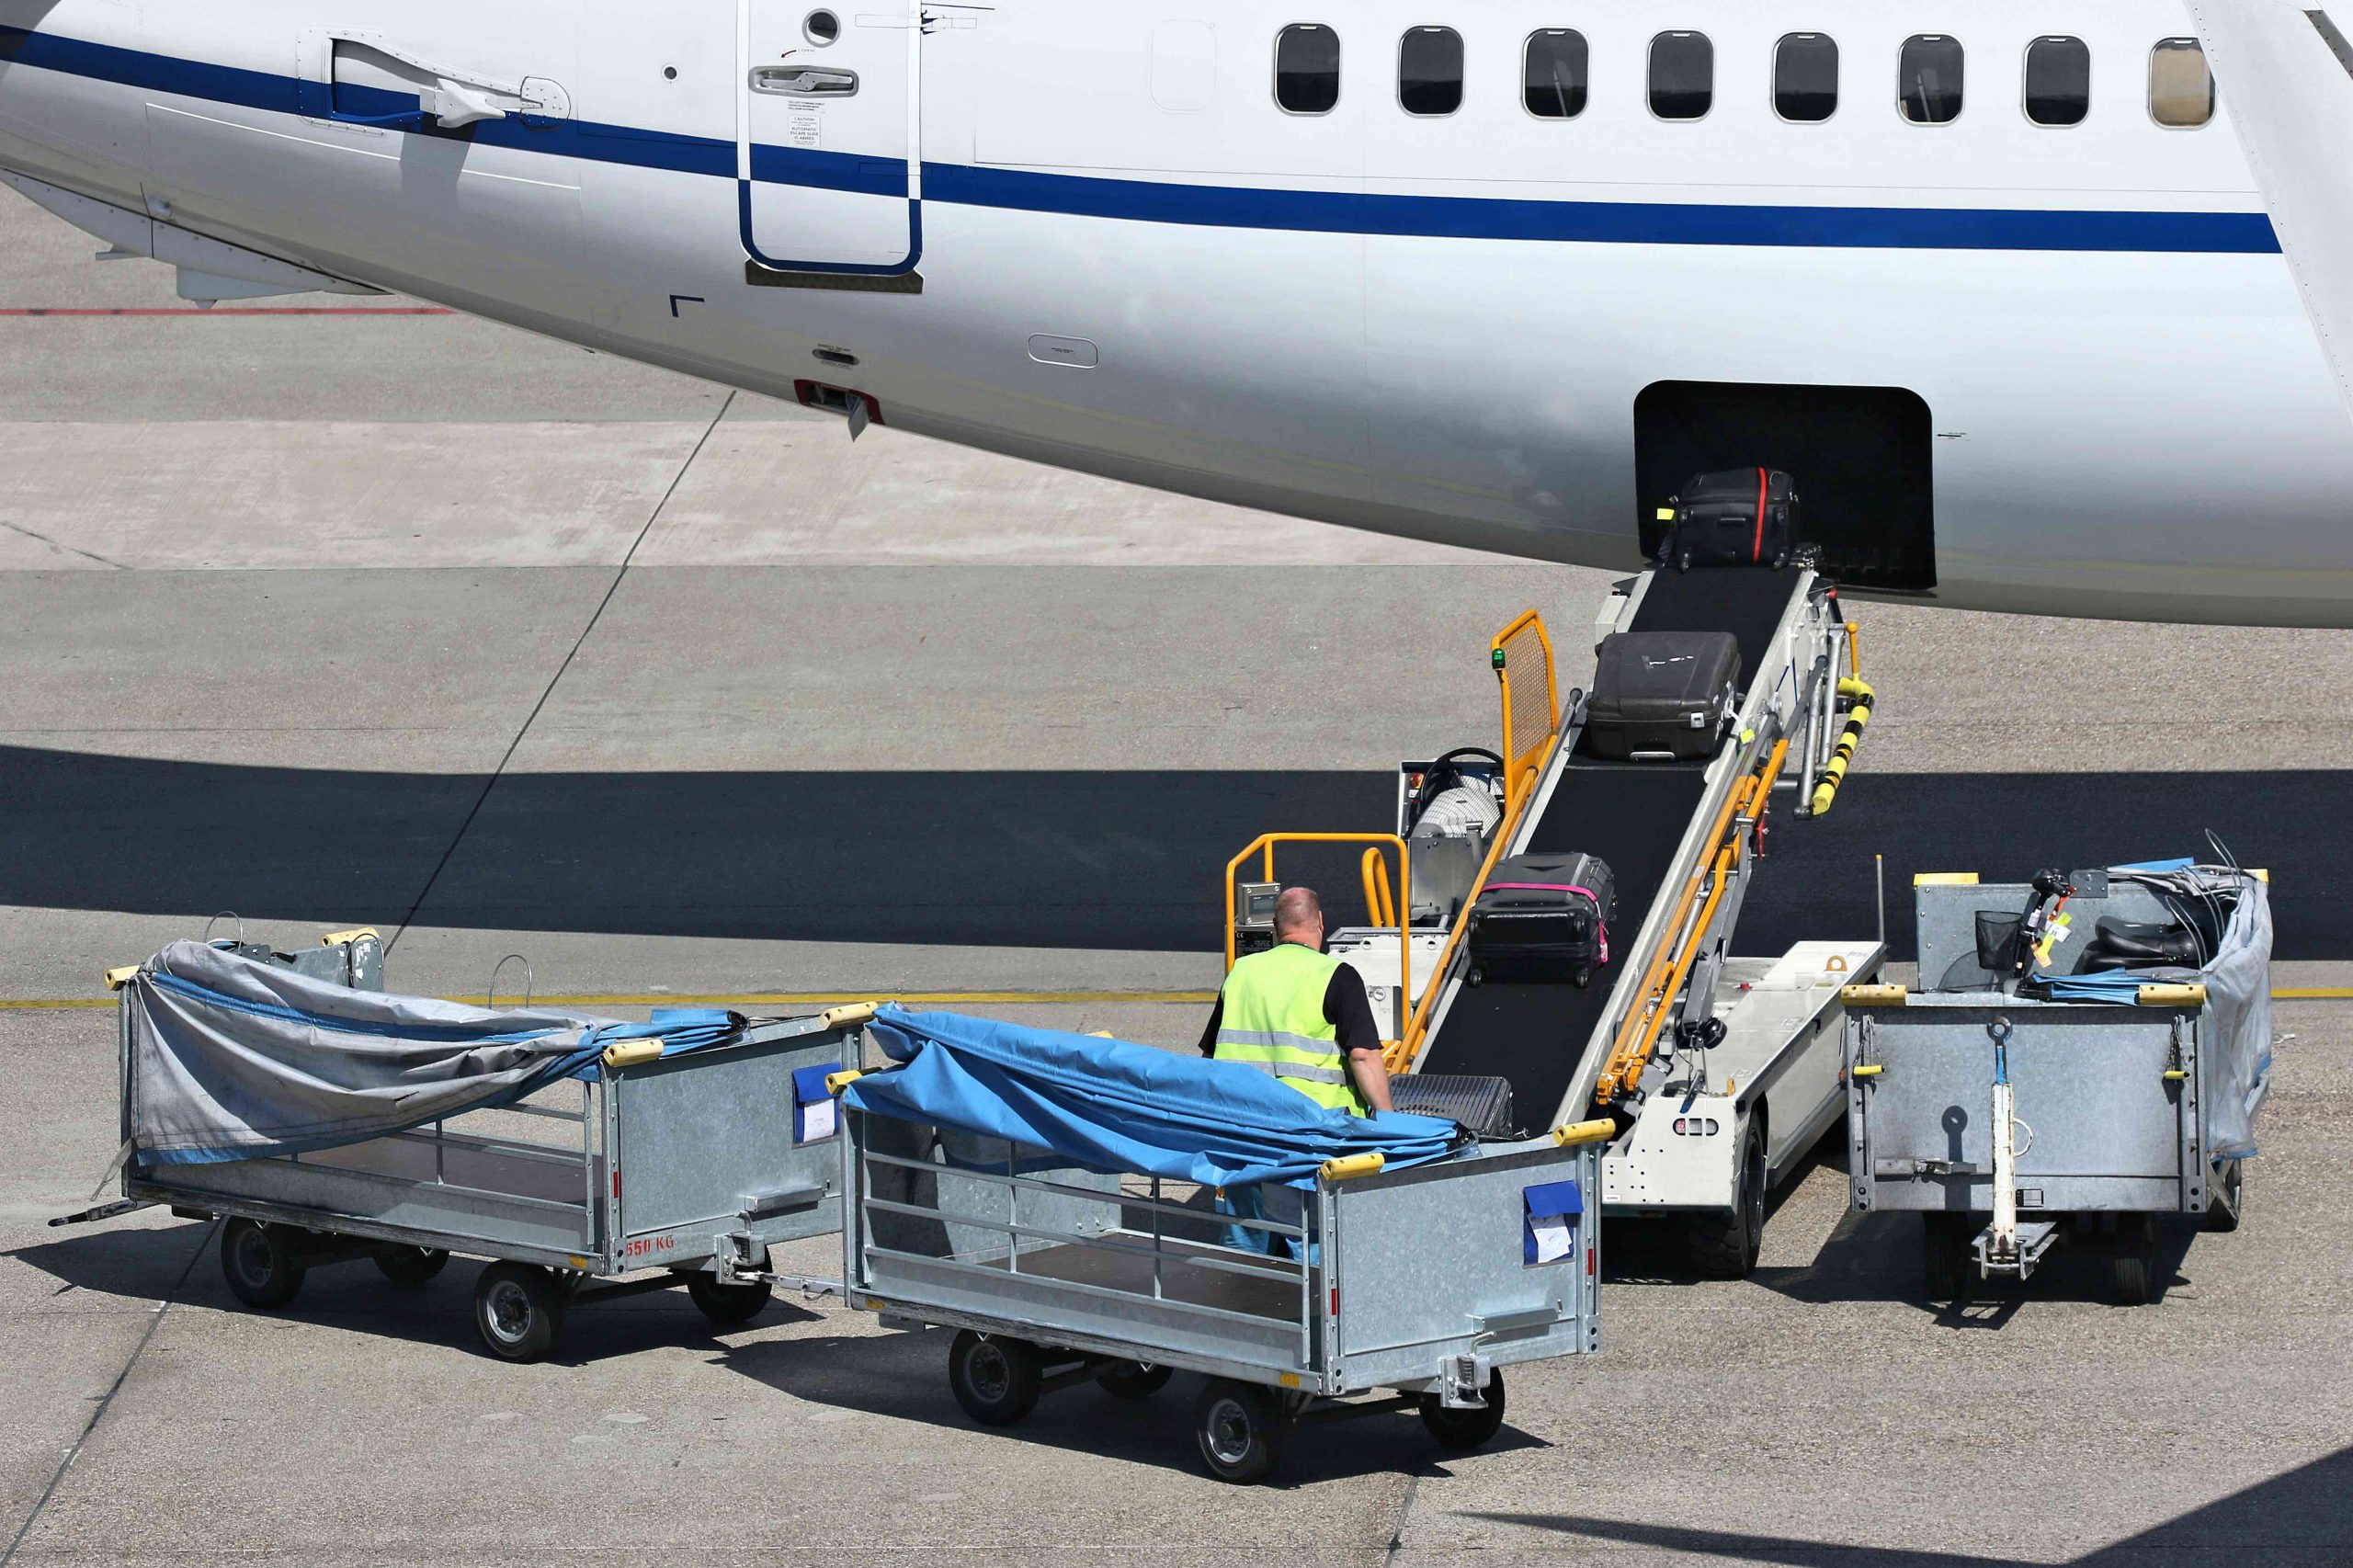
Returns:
point(1781, 559)
point(1476, 976)
point(1683, 561)
point(1583, 978)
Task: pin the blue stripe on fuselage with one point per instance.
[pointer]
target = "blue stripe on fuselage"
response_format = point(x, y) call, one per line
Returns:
point(1241, 207)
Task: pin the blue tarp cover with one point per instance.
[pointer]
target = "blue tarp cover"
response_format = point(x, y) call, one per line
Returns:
point(1118, 1107)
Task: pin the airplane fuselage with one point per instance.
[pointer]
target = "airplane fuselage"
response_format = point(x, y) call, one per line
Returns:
point(2051, 368)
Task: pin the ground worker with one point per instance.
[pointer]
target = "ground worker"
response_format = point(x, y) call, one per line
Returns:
point(1301, 1015)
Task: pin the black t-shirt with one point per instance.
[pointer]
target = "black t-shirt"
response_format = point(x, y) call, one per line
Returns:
point(1344, 1009)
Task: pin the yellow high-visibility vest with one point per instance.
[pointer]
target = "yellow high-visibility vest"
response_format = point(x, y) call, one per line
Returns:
point(1271, 1018)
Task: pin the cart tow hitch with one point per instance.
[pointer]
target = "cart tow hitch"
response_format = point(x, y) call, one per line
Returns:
point(2006, 1247)
point(104, 1212)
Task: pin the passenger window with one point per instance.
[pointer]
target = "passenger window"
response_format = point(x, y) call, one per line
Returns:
point(1805, 78)
point(1307, 69)
point(2181, 90)
point(1929, 79)
point(1429, 71)
point(2058, 81)
point(1683, 75)
point(1552, 86)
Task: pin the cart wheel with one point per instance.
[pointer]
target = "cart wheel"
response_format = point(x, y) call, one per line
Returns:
point(411, 1265)
point(1239, 1431)
point(1136, 1379)
point(1462, 1430)
point(518, 1308)
point(2135, 1264)
point(993, 1376)
point(1946, 1253)
point(729, 1303)
point(258, 1264)
point(2225, 1197)
point(1726, 1247)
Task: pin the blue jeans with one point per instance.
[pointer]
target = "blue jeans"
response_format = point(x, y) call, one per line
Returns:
point(1282, 1205)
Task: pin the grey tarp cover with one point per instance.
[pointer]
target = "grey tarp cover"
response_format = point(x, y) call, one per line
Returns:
point(2236, 1078)
point(231, 1058)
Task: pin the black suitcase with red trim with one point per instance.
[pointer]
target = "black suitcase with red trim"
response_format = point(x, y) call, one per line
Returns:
point(1735, 516)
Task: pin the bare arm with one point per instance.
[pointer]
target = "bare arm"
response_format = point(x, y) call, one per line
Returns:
point(1351, 1015)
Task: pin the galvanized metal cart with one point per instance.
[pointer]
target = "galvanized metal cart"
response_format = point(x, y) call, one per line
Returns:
point(1426, 1281)
point(694, 1165)
point(2010, 1120)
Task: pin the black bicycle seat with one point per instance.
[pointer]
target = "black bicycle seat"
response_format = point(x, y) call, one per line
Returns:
point(2121, 944)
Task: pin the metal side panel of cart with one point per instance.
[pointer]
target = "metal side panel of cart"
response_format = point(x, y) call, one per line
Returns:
point(1429, 1264)
point(704, 1145)
point(469, 1194)
point(2111, 1130)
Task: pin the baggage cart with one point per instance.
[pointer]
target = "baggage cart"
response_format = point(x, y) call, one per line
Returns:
point(694, 1165)
point(2012, 1120)
point(1417, 1287)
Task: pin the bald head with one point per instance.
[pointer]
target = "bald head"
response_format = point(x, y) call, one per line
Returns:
point(1298, 917)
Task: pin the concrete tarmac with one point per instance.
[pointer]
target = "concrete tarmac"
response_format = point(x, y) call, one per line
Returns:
point(502, 647)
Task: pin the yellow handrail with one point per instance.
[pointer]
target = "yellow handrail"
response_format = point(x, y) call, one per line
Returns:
point(1506, 645)
point(1380, 902)
point(1264, 845)
point(1638, 1036)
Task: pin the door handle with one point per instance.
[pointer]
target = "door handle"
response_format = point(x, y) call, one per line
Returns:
point(805, 81)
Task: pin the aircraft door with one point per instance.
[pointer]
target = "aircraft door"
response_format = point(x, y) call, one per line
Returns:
point(828, 163)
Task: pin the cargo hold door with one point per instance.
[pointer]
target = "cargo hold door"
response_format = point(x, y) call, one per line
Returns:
point(828, 180)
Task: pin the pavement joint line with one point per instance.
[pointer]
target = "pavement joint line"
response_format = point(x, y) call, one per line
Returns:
point(106, 1402)
point(21, 311)
point(578, 643)
point(59, 545)
point(1397, 1531)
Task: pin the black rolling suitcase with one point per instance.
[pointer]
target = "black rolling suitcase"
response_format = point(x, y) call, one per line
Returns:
point(1482, 1105)
point(1735, 516)
point(1658, 695)
point(1543, 917)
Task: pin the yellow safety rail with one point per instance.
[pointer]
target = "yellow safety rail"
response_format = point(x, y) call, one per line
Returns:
point(1638, 1036)
point(1531, 712)
point(1264, 845)
point(1379, 902)
point(1531, 728)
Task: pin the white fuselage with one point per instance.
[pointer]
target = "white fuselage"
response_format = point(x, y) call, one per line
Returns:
point(1436, 326)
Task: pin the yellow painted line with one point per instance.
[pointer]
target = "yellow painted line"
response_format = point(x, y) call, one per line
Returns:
point(2314, 994)
point(762, 999)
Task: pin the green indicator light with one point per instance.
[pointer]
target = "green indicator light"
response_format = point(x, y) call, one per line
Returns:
point(1498, 655)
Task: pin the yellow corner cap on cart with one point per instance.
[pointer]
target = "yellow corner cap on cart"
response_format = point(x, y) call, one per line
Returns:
point(836, 1082)
point(1354, 1166)
point(342, 939)
point(1872, 995)
point(1943, 879)
point(629, 1053)
point(2171, 997)
point(118, 978)
point(848, 1013)
point(1593, 1131)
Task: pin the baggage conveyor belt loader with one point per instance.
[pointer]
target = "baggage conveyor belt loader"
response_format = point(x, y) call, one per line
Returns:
point(1720, 1072)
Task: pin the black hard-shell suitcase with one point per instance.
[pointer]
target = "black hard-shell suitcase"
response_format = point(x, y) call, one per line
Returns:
point(1542, 917)
point(1662, 694)
point(1481, 1104)
point(1735, 516)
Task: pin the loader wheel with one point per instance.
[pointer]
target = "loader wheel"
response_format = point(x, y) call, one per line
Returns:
point(1459, 1431)
point(258, 1262)
point(993, 1376)
point(1725, 1247)
point(2136, 1260)
point(1239, 1430)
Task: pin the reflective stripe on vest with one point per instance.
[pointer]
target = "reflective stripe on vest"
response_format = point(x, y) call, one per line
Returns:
point(1272, 1018)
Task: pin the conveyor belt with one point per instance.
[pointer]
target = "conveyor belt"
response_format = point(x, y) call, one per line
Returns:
point(1634, 815)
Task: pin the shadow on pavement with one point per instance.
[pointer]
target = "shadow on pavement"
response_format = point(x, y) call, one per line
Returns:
point(147, 1264)
point(2308, 1510)
point(1102, 859)
point(905, 1376)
